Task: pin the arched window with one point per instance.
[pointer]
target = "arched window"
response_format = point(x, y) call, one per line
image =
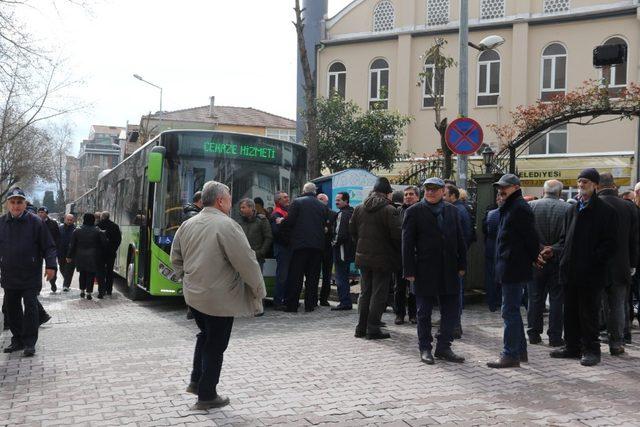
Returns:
point(337, 79)
point(437, 12)
point(554, 71)
point(384, 16)
point(379, 84)
point(488, 78)
point(554, 6)
point(616, 75)
point(492, 9)
point(433, 85)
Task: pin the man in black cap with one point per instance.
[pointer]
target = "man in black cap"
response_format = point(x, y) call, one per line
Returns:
point(587, 247)
point(24, 241)
point(517, 249)
point(434, 257)
point(375, 227)
point(54, 229)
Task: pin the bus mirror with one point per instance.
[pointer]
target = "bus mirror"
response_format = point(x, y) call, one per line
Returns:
point(155, 164)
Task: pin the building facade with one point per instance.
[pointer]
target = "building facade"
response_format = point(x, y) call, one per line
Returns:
point(372, 53)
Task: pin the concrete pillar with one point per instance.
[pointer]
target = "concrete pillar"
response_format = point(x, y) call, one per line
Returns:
point(403, 86)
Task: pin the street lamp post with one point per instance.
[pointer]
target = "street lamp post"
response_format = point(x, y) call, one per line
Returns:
point(137, 76)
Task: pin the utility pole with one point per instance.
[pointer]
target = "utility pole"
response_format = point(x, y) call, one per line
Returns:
point(463, 95)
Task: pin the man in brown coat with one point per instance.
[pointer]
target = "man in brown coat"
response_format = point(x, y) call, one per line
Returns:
point(377, 230)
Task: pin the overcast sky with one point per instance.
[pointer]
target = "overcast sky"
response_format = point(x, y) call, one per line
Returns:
point(241, 51)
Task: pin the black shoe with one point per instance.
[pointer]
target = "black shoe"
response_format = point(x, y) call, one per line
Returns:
point(360, 334)
point(616, 351)
point(341, 308)
point(413, 320)
point(12, 347)
point(565, 353)
point(308, 309)
point(535, 339)
point(65, 289)
point(504, 362)
point(399, 320)
point(100, 296)
point(559, 343)
point(590, 359)
point(81, 294)
point(54, 288)
point(449, 356)
point(457, 333)
point(280, 307)
point(378, 336)
point(89, 297)
point(427, 357)
point(109, 293)
point(45, 318)
point(192, 388)
point(627, 339)
point(29, 351)
point(325, 303)
point(524, 357)
point(218, 402)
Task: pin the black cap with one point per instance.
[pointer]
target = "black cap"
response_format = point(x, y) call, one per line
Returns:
point(16, 192)
point(258, 201)
point(43, 209)
point(507, 180)
point(383, 186)
point(591, 174)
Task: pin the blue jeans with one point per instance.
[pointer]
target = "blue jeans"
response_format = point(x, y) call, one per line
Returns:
point(283, 257)
point(342, 279)
point(515, 343)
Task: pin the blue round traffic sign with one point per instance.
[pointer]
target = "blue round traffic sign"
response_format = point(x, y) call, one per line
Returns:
point(464, 136)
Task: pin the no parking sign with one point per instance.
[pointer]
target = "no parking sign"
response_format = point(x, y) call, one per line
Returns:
point(464, 136)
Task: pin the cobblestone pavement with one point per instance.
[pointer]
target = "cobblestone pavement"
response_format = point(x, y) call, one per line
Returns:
point(118, 362)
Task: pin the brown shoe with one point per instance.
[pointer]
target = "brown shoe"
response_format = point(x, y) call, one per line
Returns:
point(218, 402)
point(504, 362)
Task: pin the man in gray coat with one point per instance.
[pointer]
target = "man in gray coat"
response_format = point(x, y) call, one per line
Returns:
point(221, 279)
point(549, 214)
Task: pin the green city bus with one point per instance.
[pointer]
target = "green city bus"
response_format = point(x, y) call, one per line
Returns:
point(145, 194)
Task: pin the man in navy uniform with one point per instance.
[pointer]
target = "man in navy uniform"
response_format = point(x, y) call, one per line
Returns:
point(24, 242)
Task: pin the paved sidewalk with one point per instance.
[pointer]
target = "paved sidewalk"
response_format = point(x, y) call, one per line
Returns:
point(118, 362)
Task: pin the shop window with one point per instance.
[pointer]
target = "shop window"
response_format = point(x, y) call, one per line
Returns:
point(554, 72)
point(432, 83)
point(384, 16)
point(337, 79)
point(616, 75)
point(379, 85)
point(437, 12)
point(492, 9)
point(553, 142)
point(488, 78)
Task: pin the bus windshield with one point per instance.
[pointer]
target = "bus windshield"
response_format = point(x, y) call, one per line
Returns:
point(251, 166)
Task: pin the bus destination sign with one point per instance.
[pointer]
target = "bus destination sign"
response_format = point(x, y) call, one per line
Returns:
point(243, 151)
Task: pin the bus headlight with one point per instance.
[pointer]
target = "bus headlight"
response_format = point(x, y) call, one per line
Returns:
point(167, 273)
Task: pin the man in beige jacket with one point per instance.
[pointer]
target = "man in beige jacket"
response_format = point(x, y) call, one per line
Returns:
point(221, 279)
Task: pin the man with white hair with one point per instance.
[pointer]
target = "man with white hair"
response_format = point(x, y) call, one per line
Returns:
point(549, 214)
point(221, 279)
point(306, 219)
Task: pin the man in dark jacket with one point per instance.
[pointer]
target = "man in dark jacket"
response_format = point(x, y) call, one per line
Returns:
point(549, 214)
point(490, 226)
point(114, 237)
point(376, 228)
point(66, 268)
point(327, 251)
point(403, 297)
point(616, 290)
point(53, 228)
point(282, 253)
point(192, 209)
point(24, 242)
point(257, 229)
point(344, 251)
point(517, 250)
point(434, 256)
point(587, 246)
point(307, 216)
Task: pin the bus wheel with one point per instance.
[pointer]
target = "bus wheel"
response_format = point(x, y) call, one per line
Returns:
point(135, 293)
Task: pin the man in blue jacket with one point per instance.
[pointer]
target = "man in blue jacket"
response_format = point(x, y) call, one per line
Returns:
point(24, 242)
point(517, 249)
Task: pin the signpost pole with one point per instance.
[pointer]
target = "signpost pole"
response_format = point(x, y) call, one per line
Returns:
point(463, 94)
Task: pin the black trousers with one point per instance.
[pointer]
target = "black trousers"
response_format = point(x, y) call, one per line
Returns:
point(403, 299)
point(327, 269)
point(581, 319)
point(105, 279)
point(86, 281)
point(305, 266)
point(41, 311)
point(23, 323)
point(545, 282)
point(211, 343)
point(449, 308)
point(66, 269)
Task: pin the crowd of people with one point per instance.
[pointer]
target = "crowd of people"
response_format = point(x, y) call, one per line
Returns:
point(29, 237)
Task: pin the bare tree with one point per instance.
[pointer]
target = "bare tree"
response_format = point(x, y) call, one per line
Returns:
point(435, 64)
point(311, 113)
point(61, 141)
